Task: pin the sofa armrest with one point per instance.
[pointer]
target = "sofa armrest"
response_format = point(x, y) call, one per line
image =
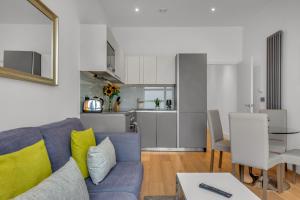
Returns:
point(127, 145)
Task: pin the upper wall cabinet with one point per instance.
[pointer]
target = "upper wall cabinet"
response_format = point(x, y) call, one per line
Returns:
point(150, 69)
point(93, 47)
point(132, 69)
point(165, 70)
point(100, 52)
point(120, 65)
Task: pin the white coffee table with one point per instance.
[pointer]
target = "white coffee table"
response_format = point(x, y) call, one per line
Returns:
point(188, 187)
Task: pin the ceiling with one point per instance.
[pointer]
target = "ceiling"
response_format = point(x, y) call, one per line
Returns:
point(120, 13)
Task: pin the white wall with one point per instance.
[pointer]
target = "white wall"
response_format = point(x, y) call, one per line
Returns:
point(222, 91)
point(30, 104)
point(222, 44)
point(279, 15)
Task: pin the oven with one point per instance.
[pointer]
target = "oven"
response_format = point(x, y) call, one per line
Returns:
point(131, 122)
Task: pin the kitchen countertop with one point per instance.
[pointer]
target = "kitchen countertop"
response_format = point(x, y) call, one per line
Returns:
point(134, 110)
point(155, 110)
point(106, 113)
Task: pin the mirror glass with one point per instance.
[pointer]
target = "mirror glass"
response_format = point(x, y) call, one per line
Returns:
point(27, 42)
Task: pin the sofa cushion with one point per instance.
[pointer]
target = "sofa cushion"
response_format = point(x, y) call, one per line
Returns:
point(127, 145)
point(101, 159)
point(17, 139)
point(23, 169)
point(57, 137)
point(124, 177)
point(112, 196)
point(81, 141)
point(66, 183)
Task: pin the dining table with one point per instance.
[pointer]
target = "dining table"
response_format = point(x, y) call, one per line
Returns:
point(282, 131)
point(273, 181)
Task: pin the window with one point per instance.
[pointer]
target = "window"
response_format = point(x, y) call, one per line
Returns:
point(162, 93)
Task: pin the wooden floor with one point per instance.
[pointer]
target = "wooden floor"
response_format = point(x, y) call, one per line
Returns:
point(160, 169)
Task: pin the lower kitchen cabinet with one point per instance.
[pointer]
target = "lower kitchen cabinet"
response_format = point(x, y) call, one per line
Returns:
point(166, 130)
point(157, 129)
point(147, 128)
point(192, 130)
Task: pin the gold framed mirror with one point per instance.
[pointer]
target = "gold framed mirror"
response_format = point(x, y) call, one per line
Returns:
point(28, 42)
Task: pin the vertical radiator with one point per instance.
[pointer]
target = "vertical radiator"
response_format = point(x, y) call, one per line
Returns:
point(274, 65)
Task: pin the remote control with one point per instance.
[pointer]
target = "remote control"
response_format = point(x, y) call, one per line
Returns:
point(215, 190)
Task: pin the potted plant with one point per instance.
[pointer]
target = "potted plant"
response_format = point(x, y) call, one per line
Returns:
point(157, 102)
point(111, 90)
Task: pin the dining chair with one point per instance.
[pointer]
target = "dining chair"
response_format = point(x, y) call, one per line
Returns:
point(250, 146)
point(277, 118)
point(216, 137)
point(292, 157)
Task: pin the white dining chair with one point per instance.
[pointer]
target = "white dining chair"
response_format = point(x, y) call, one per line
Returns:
point(250, 145)
point(277, 118)
point(292, 157)
point(216, 137)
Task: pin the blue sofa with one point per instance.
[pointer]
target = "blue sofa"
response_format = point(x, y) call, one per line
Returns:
point(122, 183)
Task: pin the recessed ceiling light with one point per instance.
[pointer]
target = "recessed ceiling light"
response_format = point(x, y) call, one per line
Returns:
point(162, 10)
point(213, 9)
point(136, 10)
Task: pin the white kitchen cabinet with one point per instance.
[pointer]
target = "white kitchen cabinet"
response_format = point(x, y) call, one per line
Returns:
point(93, 50)
point(149, 69)
point(93, 47)
point(165, 70)
point(141, 70)
point(133, 69)
point(120, 64)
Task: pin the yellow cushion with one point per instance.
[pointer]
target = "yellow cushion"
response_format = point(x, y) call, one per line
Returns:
point(81, 141)
point(23, 169)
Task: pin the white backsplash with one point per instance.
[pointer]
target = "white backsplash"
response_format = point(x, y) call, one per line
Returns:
point(90, 86)
point(129, 96)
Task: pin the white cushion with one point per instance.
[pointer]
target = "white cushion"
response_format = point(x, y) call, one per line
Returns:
point(277, 146)
point(100, 160)
point(65, 183)
point(292, 157)
point(274, 159)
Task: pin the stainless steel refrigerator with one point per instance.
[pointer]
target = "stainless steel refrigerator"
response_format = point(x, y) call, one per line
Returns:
point(191, 97)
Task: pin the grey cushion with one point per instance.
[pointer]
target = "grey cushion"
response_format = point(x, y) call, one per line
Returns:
point(100, 160)
point(65, 183)
point(112, 196)
point(58, 140)
point(17, 139)
point(223, 145)
point(127, 145)
point(215, 127)
point(124, 177)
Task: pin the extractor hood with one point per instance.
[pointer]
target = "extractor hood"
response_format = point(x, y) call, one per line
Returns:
point(107, 76)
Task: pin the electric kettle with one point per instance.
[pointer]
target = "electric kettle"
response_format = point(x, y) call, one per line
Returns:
point(93, 105)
